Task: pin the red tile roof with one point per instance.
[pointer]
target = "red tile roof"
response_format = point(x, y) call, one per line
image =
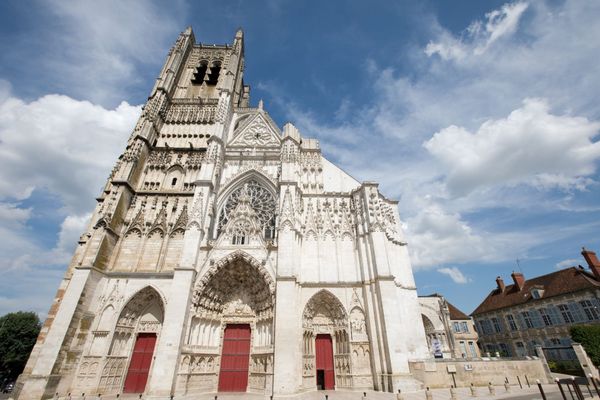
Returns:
point(556, 283)
point(455, 313)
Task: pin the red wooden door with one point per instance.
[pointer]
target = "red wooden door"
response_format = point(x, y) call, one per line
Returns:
point(324, 362)
point(139, 366)
point(235, 358)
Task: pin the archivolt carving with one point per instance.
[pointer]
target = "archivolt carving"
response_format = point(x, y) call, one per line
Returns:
point(138, 304)
point(238, 274)
point(324, 310)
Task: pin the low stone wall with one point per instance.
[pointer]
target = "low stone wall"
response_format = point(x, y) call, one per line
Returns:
point(439, 373)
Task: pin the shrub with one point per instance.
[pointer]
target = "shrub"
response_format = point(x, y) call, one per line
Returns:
point(589, 337)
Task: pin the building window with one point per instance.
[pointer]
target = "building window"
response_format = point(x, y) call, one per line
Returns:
point(463, 349)
point(511, 322)
point(465, 327)
point(521, 352)
point(590, 310)
point(566, 313)
point(457, 327)
point(546, 317)
point(504, 350)
point(496, 324)
point(486, 327)
point(239, 239)
point(200, 73)
point(473, 350)
point(527, 319)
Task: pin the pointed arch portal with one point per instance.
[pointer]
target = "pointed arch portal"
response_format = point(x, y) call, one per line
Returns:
point(230, 336)
point(131, 351)
point(326, 342)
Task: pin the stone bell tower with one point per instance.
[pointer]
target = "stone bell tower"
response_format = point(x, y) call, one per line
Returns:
point(227, 254)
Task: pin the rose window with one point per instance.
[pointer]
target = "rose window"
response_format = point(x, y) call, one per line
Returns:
point(262, 202)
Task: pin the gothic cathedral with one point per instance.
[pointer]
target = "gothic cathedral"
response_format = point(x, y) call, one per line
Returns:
point(228, 255)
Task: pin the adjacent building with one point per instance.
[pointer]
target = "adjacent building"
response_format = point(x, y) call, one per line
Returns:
point(514, 318)
point(450, 332)
point(228, 254)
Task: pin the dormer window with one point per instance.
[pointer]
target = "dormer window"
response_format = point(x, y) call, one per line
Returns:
point(537, 293)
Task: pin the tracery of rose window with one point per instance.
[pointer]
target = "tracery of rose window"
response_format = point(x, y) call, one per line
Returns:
point(262, 202)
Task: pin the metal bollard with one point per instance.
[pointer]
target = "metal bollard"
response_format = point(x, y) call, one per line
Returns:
point(473, 391)
point(82, 396)
point(453, 393)
point(577, 389)
point(56, 395)
point(507, 387)
point(399, 395)
point(562, 392)
point(364, 395)
point(69, 396)
point(541, 389)
point(492, 389)
point(428, 395)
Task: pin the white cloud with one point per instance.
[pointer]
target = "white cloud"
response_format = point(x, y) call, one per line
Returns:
point(480, 35)
point(568, 263)
point(96, 48)
point(62, 145)
point(437, 237)
point(530, 145)
point(72, 227)
point(455, 274)
point(58, 145)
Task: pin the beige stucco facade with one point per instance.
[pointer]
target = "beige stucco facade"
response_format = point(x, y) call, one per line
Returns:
point(449, 332)
point(213, 217)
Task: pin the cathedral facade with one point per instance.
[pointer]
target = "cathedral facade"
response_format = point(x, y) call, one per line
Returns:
point(226, 254)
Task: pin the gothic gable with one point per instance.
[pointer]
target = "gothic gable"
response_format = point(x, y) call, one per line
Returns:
point(257, 131)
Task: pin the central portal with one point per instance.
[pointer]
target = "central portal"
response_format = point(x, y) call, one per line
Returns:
point(325, 372)
point(235, 357)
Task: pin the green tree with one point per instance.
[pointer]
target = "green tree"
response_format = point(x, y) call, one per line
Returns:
point(589, 337)
point(18, 333)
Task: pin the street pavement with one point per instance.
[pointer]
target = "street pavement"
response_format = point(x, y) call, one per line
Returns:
point(482, 393)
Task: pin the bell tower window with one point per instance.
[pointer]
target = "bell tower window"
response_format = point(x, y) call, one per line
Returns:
point(213, 76)
point(200, 73)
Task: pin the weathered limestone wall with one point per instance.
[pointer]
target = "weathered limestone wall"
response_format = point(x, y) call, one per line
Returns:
point(438, 374)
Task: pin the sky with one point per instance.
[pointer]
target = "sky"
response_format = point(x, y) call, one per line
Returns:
point(481, 117)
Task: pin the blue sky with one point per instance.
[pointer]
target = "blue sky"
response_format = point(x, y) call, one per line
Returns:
point(482, 118)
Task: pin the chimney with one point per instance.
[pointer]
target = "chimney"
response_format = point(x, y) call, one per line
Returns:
point(500, 284)
point(518, 279)
point(592, 260)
